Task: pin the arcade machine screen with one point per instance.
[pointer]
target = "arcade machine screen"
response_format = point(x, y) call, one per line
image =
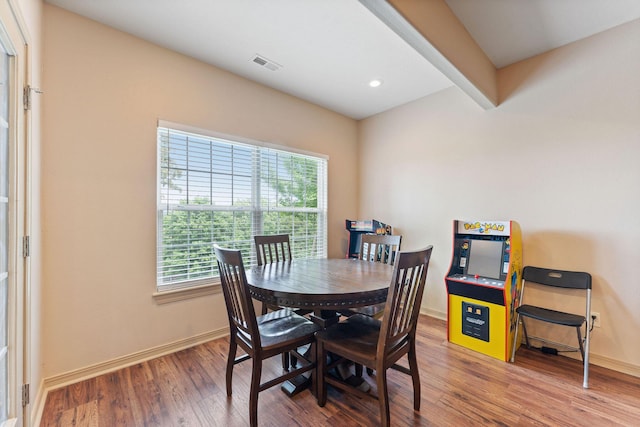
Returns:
point(485, 258)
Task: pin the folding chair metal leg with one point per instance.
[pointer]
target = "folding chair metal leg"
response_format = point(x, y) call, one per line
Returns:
point(580, 342)
point(585, 358)
point(585, 379)
point(584, 350)
point(515, 339)
point(526, 336)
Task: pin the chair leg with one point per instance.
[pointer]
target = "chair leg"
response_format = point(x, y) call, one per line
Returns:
point(358, 370)
point(515, 339)
point(230, 362)
point(415, 376)
point(526, 336)
point(585, 378)
point(285, 360)
point(321, 367)
point(264, 308)
point(314, 376)
point(256, 374)
point(383, 397)
point(580, 342)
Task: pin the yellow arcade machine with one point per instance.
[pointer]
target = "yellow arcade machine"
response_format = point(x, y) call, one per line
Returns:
point(484, 286)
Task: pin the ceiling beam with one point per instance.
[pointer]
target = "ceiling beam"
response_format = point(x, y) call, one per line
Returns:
point(432, 29)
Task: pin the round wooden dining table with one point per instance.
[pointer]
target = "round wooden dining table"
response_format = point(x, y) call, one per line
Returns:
point(324, 286)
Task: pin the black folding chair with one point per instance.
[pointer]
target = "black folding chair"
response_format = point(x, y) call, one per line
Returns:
point(544, 277)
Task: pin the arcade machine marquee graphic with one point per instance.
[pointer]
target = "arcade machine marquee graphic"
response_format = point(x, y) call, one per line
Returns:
point(483, 286)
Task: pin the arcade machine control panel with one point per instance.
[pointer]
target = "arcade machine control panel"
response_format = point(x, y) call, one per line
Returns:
point(487, 265)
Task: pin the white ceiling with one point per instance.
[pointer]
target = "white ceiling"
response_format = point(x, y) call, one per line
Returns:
point(512, 30)
point(327, 51)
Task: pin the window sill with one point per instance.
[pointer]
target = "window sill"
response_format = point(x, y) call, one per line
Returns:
point(181, 294)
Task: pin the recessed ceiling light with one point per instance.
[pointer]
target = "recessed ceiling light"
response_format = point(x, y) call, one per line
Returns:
point(375, 82)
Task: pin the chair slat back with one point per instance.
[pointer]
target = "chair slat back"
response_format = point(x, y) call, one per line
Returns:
point(557, 278)
point(404, 298)
point(242, 316)
point(379, 247)
point(272, 248)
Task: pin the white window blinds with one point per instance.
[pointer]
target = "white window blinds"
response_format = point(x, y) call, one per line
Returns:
point(215, 190)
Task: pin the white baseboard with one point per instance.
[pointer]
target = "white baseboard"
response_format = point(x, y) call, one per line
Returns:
point(87, 372)
point(433, 313)
point(36, 412)
point(614, 365)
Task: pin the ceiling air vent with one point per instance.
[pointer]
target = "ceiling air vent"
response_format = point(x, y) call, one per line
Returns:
point(267, 63)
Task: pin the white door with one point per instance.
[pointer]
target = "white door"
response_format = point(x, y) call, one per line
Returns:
point(5, 245)
point(13, 194)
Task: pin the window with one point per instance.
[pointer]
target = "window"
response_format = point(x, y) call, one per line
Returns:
point(224, 190)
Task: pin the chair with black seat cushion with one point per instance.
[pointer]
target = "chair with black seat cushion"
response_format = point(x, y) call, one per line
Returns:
point(277, 332)
point(269, 249)
point(580, 282)
point(379, 344)
point(376, 248)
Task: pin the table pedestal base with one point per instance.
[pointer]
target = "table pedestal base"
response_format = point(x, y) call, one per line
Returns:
point(324, 318)
point(296, 385)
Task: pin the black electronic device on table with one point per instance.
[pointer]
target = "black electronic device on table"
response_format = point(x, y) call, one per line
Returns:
point(357, 228)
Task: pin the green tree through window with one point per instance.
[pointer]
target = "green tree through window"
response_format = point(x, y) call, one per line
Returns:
point(213, 190)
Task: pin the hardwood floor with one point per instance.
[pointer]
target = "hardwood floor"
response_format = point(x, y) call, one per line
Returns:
point(459, 387)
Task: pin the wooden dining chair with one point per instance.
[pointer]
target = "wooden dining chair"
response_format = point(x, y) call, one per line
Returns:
point(269, 249)
point(272, 248)
point(379, 344)
point(380, 247)
point(262, 337)
point(376, 248)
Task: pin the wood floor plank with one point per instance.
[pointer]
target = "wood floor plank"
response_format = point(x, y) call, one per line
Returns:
point(187, 361)
point(54, 406)
point(113, 400)
point(146, 399)
point(458, 386)
point(87, 414)
point(81, 393)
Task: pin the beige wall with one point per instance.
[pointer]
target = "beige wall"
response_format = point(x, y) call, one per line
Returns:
point(105, 91)
point(560, 155)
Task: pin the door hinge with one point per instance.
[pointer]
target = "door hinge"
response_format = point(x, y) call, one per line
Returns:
point(26, 249)
point(25, 395)
point(26, 96)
